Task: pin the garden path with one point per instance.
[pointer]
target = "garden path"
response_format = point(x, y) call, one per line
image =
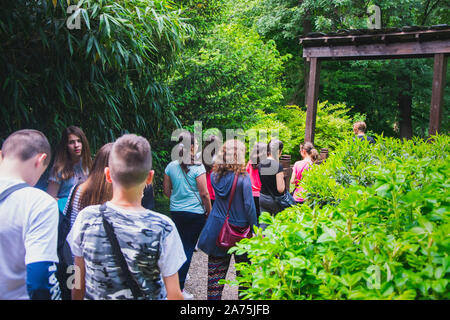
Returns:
point(198, 273)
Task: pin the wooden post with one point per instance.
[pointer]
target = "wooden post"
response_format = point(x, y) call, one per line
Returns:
point(440, 69)
point(311, 99)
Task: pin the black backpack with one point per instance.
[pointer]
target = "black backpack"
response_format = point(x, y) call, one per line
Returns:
point(63, 249)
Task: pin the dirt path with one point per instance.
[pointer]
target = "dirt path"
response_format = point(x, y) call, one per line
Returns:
point(198, 273)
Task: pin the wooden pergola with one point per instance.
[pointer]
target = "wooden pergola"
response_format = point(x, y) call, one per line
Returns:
point(364, 44)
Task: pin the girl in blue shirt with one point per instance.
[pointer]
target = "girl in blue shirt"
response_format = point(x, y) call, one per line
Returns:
point(185, 184)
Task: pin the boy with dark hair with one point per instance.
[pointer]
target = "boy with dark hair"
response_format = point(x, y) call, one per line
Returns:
point(122, 250)
point(359, 128)
point(28, 220)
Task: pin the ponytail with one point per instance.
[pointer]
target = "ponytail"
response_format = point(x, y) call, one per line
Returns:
point(311, 151)
point(314, 155)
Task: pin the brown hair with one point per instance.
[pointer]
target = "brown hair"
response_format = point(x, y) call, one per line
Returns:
point(63, 165)
point(274, 147)
point(96, 189)
point(231, 158)
point(212, 139)
point(360, 126)
point(186, 140)
point(309, 149)
point(259, 152)
point(130, 160)
point(25, 144)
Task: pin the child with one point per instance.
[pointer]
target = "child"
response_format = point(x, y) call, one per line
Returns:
point(148, 243)
point(272, 178)
point(185, 184)
point(29, 220)
point(258, 153)
point(95, 190)
point(359, 128)
point(310, 156)
point(242, 212)
point(72, 164)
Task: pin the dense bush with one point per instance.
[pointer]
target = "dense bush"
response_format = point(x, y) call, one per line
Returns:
point(382, 232)
point(108, 76)
point(226, 76)
point(333, 125)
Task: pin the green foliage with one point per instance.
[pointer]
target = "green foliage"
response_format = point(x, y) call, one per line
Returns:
point(373, 87)
point(228, 75)
point(333, 125)
point(108, 77)
point(387, 238)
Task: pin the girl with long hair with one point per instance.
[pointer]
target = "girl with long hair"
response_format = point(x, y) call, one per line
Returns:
point(230, 161)
point(272, 178)
point(95, 190)
point(310, 156)
point(185, 184)
point(72, 163)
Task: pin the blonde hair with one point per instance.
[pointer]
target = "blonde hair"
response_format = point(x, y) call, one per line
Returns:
point(231, 158)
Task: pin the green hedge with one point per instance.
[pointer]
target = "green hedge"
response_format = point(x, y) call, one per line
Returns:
point(377, 227)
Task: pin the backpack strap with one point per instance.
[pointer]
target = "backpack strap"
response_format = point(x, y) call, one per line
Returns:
point(5, 194)
point(131, 282)
point(233, 189)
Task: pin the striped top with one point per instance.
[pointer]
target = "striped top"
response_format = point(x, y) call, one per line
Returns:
point(75, 207)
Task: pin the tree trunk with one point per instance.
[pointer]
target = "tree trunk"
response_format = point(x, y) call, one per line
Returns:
point(405, 108)
point(307, 28)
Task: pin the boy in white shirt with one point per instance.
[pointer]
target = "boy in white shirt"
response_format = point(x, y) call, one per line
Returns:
point(28, 220)
point(148, 243)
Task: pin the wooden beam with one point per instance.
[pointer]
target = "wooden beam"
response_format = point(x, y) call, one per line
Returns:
point(439, 73)
point(379, 50)
point(311, 99)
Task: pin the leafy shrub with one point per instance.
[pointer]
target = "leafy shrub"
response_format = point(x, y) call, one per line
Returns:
point(227, 75)
point(333, 125)
point(386, 238)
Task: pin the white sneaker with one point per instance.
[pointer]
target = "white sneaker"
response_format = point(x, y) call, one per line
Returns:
point(187, 277)
point(187, 295)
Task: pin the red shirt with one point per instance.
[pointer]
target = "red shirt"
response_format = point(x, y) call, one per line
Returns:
point(212, 194)
point(254, 178)
point(298, 169)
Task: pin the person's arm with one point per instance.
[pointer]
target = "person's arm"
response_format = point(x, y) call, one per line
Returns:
point(78, 292)
point(40, 241)
point(167, 186)
point(173, 287)
point(41, 281)
point(280, 182)
point(249, 203)
point(204, 194)
point(53, 189)
point(293, 176)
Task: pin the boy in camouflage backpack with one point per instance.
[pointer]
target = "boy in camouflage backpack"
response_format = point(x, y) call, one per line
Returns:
point(121, 249)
